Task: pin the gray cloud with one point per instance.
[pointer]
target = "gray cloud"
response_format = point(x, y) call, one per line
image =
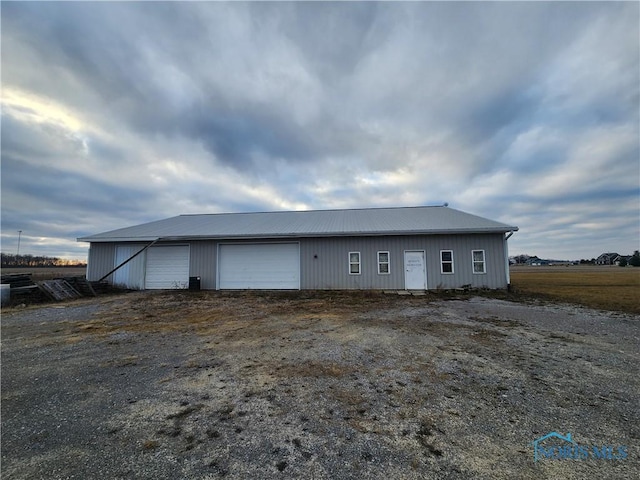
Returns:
point(145, 110)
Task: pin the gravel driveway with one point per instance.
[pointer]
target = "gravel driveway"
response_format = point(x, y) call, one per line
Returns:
point(328, 385)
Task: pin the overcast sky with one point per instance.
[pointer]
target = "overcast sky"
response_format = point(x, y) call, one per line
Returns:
point(115, 114)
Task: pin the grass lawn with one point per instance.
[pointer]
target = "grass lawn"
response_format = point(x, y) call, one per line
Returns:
point(608, 288)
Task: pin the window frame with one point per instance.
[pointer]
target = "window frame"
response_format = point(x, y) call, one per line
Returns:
point(474, 262)
point(387, 263)
point(358, 263)
point(448, 262)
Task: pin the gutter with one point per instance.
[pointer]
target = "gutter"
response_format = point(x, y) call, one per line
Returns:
point(506, 259)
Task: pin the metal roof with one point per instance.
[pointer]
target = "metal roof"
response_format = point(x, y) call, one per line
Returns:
point(310, 223)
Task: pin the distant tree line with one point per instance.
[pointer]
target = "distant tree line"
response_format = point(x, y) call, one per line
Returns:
point(522, 259)
point(11, 260)
point(584, 261)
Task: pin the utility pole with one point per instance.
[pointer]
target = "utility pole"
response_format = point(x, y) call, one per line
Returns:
point(19, 235)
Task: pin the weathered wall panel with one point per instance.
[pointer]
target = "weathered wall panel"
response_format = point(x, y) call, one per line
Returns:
point(132, 274)
point(100, 260)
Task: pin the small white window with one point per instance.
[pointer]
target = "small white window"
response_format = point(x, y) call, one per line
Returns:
point(383, 263)
point(446, 261)
point(354, 263)
point(478, 261)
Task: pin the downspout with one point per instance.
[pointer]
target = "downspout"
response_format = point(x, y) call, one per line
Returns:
point(506, 260)
point(130, 258)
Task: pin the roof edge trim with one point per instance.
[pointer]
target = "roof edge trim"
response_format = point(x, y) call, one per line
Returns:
point(474, 231)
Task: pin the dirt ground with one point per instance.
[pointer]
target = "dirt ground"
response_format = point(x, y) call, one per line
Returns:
point(315, 385)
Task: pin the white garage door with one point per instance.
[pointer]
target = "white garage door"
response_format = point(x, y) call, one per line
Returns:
point(167, 267)
point(274, 266)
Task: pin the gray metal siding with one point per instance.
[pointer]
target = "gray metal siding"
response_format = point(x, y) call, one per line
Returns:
point(324, 262)
point(462, 246)
point(100, 260)
point(203, 263)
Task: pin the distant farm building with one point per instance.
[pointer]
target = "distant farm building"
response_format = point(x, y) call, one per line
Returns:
point(536, 262)
point(607, 259)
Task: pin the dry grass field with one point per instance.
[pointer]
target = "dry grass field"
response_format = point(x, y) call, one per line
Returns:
point(603, 287)
point(47, 273)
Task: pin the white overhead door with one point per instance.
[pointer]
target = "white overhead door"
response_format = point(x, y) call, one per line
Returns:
point(262, 266)
point(167, 267)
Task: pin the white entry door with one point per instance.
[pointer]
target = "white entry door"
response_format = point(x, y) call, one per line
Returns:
point(415, 272)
